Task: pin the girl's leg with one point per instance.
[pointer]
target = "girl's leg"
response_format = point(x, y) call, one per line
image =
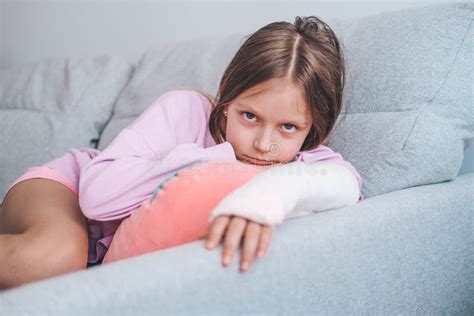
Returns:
point(43, 233)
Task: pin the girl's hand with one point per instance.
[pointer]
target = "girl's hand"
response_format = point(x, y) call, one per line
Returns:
point(257, 239)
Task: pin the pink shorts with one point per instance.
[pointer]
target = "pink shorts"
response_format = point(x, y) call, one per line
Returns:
point(66, 170)
point(46, 173)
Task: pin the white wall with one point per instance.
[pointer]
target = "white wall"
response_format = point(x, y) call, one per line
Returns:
point(34, 30)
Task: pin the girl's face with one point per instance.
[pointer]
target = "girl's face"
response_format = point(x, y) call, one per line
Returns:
point(268, 122)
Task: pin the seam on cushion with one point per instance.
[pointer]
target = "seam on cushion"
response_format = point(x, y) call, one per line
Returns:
point(31, 110)
point(116, 117)
point(87, 86)
point(128, 116)
point(28, 81)
point(149, 54)
point(439, 88)
point(117, 97)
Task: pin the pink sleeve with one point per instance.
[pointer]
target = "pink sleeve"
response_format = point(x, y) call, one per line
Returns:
point(323, 153)
point(158, 143)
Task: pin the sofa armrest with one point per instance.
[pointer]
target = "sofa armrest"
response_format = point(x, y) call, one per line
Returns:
point(401, 252)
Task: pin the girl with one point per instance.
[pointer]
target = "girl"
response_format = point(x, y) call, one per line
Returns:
point(277, 102)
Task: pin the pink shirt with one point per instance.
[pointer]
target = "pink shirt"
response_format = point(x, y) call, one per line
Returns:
point(169, 135)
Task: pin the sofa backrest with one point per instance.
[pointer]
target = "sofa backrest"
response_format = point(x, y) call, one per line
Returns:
point(53, 105)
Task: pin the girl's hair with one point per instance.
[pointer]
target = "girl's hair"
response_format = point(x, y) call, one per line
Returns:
point(307, 53)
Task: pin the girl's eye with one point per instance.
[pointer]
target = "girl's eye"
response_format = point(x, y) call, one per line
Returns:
point(247, 114)
point(291, 125)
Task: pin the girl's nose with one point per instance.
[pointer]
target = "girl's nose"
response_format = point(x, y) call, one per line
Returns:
point(261, 147)
point(263, 142)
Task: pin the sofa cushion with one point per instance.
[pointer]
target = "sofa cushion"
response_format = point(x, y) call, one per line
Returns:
point(53, 105)
point(408, 113)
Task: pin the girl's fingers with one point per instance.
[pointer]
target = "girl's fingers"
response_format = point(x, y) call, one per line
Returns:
point(265, 237)
point(256, 238)
point(233, 236)
point(216, 231)
point(251, 241)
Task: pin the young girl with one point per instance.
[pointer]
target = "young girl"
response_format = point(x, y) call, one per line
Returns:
point(277, 102)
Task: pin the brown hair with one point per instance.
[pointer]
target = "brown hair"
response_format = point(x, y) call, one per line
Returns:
point(307, 53)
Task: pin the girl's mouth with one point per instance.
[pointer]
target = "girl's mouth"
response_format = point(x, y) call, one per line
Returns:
point(258, 161)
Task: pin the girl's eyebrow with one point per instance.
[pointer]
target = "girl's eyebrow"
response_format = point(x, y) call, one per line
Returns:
point(294, 121)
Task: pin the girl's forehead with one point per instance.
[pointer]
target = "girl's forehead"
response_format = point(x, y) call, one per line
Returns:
point(274, 84)
point(276, 88)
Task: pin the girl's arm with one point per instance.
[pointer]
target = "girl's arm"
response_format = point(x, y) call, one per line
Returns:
point(158, 143)
point(291, 190)
point(323, 153)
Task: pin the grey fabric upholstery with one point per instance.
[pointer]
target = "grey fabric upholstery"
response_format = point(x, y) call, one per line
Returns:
point(54, 105)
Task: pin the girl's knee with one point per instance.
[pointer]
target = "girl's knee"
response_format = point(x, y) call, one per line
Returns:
point(62, 251)
point(37, 256)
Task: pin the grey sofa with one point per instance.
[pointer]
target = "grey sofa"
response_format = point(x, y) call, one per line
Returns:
point(409, 117)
